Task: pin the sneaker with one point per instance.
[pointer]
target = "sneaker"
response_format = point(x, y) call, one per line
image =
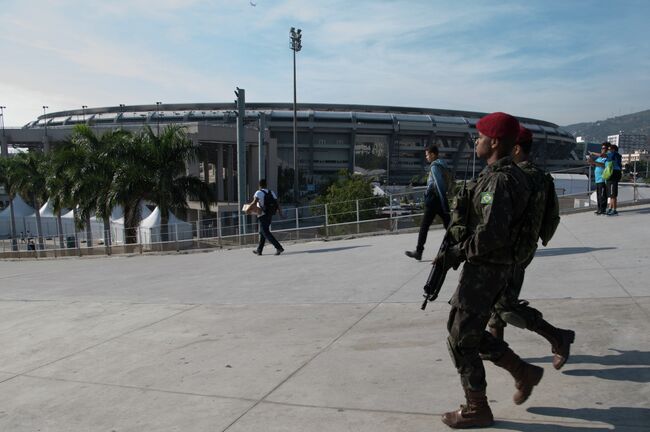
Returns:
point(609, 211)
point(613, 213)
point(256, 252)
point(279, 251)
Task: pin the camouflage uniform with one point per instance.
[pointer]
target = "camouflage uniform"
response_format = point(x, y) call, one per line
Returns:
point(508, 308)
point(498, 201)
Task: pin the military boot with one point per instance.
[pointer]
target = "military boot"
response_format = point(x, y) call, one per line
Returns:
point(416, 254)
point(476, 413)
point(560, 341)
point(525, 374)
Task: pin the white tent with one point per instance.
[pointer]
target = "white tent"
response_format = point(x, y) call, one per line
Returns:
point(48, 221)
point(117, 222)
point(150, 228)
point(21, 211)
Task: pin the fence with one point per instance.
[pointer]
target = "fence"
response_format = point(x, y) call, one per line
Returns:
point(396, 213)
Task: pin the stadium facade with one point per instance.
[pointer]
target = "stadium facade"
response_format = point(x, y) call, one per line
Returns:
point(383, 141)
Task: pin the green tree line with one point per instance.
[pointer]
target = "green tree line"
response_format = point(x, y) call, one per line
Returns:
point(93, 173)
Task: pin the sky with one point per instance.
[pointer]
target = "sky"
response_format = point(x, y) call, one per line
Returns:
point(564, 61)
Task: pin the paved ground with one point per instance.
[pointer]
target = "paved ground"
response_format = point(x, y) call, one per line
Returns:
point(327, 337)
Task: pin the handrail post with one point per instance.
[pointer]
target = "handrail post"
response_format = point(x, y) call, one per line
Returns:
point(326, 225)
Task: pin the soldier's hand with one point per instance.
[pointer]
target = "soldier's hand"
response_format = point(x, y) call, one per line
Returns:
point(451, 258)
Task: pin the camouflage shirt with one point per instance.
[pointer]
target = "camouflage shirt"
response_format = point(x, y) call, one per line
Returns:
point(498, 202)
point(526, 243)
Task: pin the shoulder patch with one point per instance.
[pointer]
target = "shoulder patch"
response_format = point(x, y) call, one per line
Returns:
point(486, 198)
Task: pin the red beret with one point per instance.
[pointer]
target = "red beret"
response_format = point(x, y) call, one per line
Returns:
point(524, 136)
point(498, 125)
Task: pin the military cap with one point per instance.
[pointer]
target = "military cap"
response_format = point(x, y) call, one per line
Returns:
point(498, 125)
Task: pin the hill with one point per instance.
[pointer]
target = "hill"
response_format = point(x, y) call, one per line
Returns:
point(636, 123)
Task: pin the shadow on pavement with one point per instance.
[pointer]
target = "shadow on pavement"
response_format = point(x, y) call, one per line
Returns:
point(545, 427)
point(622, 358)
point(336, 249)
point(615, 416)
point(639, 374)
point(568, 251)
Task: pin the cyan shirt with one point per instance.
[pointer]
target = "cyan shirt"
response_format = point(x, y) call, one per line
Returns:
point(598, 170)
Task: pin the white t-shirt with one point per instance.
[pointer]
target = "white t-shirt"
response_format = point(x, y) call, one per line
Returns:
point(260, 198)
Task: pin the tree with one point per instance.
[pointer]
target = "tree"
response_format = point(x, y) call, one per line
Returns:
point(341, 197)
point(164, 173)
point(6, 166)
point(29, 174)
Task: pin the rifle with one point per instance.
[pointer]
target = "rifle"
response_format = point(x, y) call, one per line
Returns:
point(438, 273)
point(436, 277)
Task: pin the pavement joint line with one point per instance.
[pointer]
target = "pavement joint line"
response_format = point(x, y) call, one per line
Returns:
point(147, 389)
point(25, 373)
point(322, 350)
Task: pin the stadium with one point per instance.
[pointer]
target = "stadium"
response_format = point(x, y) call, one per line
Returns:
point(384, 142)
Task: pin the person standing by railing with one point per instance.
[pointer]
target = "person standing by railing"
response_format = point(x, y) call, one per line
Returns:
point(615, 158)
point(598, 162)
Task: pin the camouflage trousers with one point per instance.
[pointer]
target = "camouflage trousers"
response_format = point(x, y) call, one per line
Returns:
point(508, 309)
point(468, 342)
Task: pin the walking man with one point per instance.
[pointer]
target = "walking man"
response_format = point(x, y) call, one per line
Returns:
point(494, 210)
point(542, 218)
point(435, 199)
point(265, 204)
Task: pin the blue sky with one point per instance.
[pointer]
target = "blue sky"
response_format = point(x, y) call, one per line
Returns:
point(564, 61)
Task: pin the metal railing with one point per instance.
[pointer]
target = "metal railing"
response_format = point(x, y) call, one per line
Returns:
point(397, 213)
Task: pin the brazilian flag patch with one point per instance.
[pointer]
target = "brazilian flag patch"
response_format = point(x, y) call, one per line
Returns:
point(486, 198)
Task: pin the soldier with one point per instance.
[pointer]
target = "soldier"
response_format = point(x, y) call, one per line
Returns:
point(508, 308)
point(482, 238)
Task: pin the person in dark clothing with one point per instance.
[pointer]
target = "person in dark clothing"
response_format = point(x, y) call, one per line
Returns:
point(483, 238)
point(265, 204)
point(615, 158)
point(435, 199)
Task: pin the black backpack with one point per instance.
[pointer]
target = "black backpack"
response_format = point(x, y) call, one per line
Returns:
point(270, 203)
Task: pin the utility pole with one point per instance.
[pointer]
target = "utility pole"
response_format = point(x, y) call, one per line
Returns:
point(241, 156)
point(296, 46)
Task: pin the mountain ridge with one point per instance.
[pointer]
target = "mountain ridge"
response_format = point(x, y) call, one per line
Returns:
point(597, 131)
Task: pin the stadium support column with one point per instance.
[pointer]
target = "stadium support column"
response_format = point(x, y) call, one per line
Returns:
point(4, 146)
point(241, 156)
point(260, 148)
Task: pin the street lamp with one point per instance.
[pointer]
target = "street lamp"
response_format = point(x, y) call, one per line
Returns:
point(83, 111)
point(158, 116)
point(2, 118)
point(296, 46)
point(121, 113)
point(45, 107)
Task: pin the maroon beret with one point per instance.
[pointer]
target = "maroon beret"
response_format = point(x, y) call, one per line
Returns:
point(498, 125)
point(524, 136)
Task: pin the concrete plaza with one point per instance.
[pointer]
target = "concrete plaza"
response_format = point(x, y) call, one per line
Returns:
point(329, 336)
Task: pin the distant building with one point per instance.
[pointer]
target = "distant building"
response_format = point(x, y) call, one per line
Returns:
point(635, 157)
point(629, 143)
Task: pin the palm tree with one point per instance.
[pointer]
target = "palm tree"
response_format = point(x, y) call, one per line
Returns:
point(29, 176)
point(166, 173)
point(6, 166)
point(59, 183)
point(96, 173)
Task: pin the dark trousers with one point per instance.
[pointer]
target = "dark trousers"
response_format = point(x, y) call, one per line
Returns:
point(468, 342)
point(264, 223)
point(432, 207)
point(601, 196)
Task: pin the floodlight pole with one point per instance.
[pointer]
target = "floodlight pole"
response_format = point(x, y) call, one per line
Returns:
point(241, 156)
point(296, 46)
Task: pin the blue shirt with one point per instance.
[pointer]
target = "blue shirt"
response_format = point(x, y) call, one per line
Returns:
point(617, 159)
point(598, 170)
